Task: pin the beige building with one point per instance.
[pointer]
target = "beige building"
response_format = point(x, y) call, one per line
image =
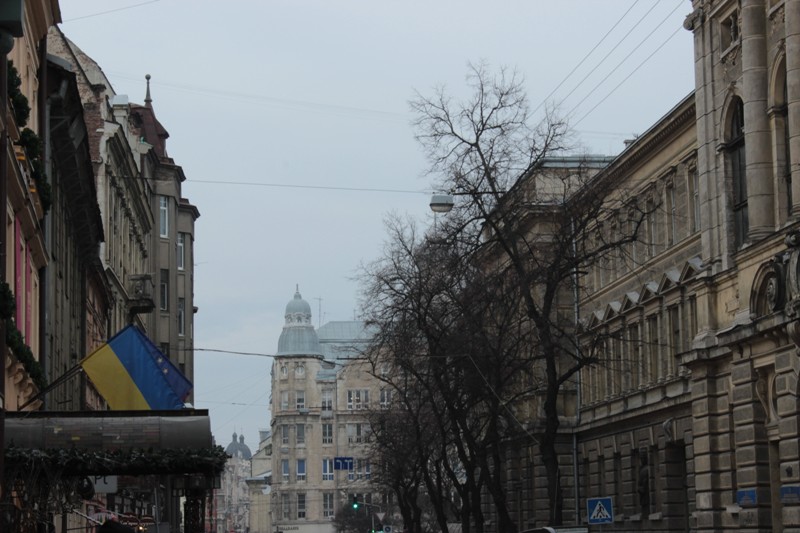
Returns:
point(259, 485)
point(320, 435)
point(692, 423)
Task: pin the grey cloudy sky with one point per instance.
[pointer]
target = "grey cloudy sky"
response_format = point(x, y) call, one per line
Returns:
point(281, 111)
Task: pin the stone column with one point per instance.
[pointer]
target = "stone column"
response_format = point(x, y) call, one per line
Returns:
point(750, 437)
point(792, 13)
point(757, 138)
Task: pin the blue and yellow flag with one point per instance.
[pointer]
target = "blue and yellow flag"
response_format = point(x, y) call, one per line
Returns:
point(131, 373)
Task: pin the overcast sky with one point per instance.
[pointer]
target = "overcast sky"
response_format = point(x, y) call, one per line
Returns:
point(290, 119)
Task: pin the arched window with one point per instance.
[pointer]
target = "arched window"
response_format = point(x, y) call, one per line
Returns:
point(736, 159)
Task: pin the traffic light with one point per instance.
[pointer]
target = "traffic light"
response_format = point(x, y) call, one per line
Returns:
point(378, 528)
point(355, 503)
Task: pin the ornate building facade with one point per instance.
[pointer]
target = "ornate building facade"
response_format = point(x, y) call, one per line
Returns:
point(321, 393)
point(692, 424)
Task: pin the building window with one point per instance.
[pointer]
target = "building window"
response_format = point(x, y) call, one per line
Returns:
point(164, 347)
point(357, 399)
point(301, 470)
point(736, 158)
point(327, 469)
point(300, 370)
point(163, 212)
point(284, 371)
point(672, 219)
point(694, 198)
point(181, 317)
point(164, 290)
point(285, 469)
point(729, 31)
point(301, 505)
point(386, 398)
point(285, 434)
point(286, 511)
point(357, 433)
point(327, 505)
point(327, 400)
point(284, 400)
point(327, 433)
point(300, 434)
point(181, 251)
point(300, 399)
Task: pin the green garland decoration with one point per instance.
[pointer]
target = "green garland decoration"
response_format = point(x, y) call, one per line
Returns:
point(19, 102)
point(78, 462)
point(16, 342)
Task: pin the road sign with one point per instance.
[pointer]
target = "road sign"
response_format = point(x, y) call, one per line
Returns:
point(380, 516)
point(600, 511)
point(342, 463)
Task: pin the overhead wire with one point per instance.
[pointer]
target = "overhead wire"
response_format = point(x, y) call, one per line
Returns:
point(582, 61)
point(620, 63)
point(111, 11)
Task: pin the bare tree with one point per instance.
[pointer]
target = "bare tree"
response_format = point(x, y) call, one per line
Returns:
point(487, 302)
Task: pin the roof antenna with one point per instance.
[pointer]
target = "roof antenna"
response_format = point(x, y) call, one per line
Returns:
point(148, 102)
point(319, 313)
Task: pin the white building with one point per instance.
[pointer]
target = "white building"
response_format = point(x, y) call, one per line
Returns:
point(321, 391)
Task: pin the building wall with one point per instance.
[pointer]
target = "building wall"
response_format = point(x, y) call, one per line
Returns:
point(332, 420)
point(702, 379)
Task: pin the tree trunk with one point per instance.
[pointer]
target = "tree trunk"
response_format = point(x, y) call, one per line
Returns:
point(555, 493)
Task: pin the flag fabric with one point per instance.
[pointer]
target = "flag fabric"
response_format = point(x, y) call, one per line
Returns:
point(131, 373)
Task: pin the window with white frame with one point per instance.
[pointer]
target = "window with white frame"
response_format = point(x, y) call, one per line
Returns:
point(285, 434)
point(300, 475)
point(284, 371)
point(300, 370)
point(164, 290)
point(286, 511)
point(300, 399)
point(327, 505)
point(327, 433)
point(357, 399)
point(163, 214)
point(301, 505)
point(327, 400)
point(300, 434)
point(327, 469)
point(362, 469)
point(386, 398)
point(284, 400)
point(181, 317)
point(357, 433)
point(285, 469)
point(181, 251)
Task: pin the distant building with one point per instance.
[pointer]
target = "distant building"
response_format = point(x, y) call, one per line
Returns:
point(320, 395)
point(259, 485)
point(232, 499)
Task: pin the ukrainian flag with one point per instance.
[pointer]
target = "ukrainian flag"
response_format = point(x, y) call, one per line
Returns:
point(131, 373)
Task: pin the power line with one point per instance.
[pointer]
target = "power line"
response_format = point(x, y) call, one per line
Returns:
point(629, 75)
point(618, 65)
point(111, 11)
point(624, 37)
point(322, 187)
point(581, 62)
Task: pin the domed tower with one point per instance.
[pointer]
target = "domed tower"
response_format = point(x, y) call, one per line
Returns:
point(296, 408)
point(298, 337)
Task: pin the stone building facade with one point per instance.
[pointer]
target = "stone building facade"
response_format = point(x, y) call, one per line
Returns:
point(320, 396)
point(692, 424)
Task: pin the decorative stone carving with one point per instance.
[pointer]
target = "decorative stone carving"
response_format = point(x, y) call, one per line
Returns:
point(769, 292)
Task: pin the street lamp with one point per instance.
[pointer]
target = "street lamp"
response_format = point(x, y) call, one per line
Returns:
point(441, 203)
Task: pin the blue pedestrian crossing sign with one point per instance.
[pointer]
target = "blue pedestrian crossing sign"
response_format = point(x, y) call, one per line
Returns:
point(599, 510)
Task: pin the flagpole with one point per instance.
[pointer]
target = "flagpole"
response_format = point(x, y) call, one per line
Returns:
point(58, 381)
